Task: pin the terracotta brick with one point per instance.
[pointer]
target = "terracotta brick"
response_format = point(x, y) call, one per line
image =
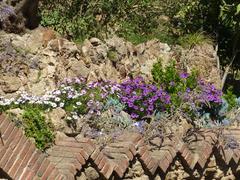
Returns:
point(62, 177)
point(202, 162)
point(81, 159)
point(3, 151)
point(119, 171)
point(130, 137)
point(85, 140)
point(14, 157)
point(30, 175)
point(2, 118)
point(125, 145)
point(34, 159)
point(11, 136)
point(119, 151)
point(16, 139)
point(152, 166)
point(5, 135)
point(67, 149)
point(142, 150)
point(25, 173)
point(188, 158)
point(168, 155)
point(53, 174)
point(18, 146)
point(99, 158)
point(122, 163)
point(235, 156)
point(3, 126)
point(106, 170)
point(146, 158)
point(84, 154)
point(109, 171)
point(140, 143)
point(102, 163)
point(55, 159)
point(72, 161)
point(38, 163)
point(5, 157)
point(67, 166)
point(228, 155)
point(170, 150)
point(18, 166)
point(43, 168)
point(87, 147)
point(194, 160)
point(95, 154)
point(48, 171)
point(185, 152)
point(61, 154)
point(164, 164)
point(182, 147)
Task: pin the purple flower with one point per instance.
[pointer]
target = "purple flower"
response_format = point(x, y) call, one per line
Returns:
point(184, 75)
point(134, 116)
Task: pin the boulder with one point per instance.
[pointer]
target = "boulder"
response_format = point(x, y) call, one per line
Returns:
point(10, 84)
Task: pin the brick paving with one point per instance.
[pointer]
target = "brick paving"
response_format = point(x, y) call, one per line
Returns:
point(20, 159)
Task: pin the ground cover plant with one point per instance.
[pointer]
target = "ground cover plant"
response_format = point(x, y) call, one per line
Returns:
point(109, 108)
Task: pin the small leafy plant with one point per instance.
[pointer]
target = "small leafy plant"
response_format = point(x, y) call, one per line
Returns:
point(35, 126)
point(230, 98)
point(173, 82)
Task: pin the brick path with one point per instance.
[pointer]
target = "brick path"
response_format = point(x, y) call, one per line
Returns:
point(20, 159)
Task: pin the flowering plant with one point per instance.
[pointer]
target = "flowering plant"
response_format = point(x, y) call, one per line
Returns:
point(141, 99)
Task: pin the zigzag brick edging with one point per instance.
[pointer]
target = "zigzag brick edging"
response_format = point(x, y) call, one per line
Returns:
point(20, 159)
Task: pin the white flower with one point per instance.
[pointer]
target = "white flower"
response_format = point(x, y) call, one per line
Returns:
point(83, 92)
point(75, 117)
point(69, 118)
point(78, 103)
point(57, 99)
point(61, 104)
point(91, 112)
point(53, 105)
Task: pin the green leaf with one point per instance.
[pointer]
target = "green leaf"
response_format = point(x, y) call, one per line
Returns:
point(238, 9)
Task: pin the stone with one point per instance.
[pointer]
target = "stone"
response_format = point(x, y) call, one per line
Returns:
point(135, 171)
point(82, 176)
point(60, 136)
point(78, 68)
point(38, 88)
point(95, 41)
point(144, 177)
point(16, 112)
point(57, 118)
point(10, 84)
point(91, 173)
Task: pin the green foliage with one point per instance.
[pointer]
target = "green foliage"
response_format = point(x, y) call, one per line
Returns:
point(83, 19)
point(35, 126)
point(230, 98)
point(193, 39)
point(112, 55)
point(172, 81)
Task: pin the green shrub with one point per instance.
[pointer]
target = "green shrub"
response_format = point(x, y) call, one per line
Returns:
point(83, 19)
point(36, 127)
point(191, 40)
point(230, 98)
point(173, 81)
